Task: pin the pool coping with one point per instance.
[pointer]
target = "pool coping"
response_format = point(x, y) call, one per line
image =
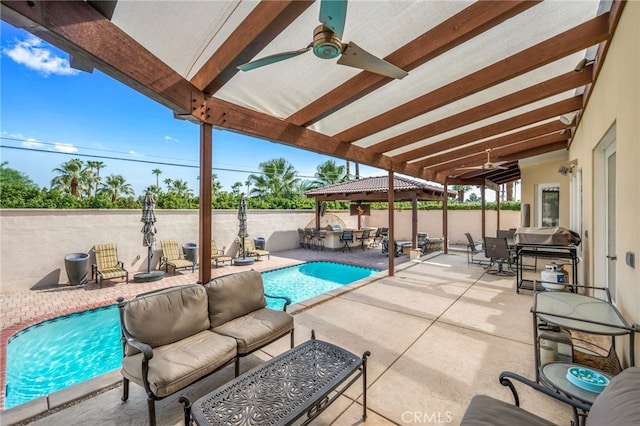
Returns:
point(46, 405)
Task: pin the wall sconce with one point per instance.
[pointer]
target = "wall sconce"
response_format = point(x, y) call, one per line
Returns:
point(567, 168)
point(569, 118)
point(584, 62)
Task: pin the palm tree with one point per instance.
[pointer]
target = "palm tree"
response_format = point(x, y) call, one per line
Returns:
point(116, 185)
point(181, 187)
point(96, 165)
point(329, 173)
point(168, 182)
point(157, 172)
point(278, 178)
point(71, 174)
point(461, 189)
point(235, 188)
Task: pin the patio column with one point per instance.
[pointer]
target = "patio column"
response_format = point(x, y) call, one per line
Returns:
point(206, 174)
point(414, 220)
point(391, 241)
point(497, 210)
point(483, 205)
point(445, 217)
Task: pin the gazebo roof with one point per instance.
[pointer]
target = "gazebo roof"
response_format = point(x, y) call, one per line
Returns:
point(376, 189)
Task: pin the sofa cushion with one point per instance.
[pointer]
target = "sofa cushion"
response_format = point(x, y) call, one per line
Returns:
point(257, 328)
point(177, 365)
point(234, 295)
point(166, 316)
point(619, 402)
point(486, 411)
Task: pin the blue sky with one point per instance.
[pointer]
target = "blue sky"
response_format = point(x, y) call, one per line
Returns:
point(53, 113)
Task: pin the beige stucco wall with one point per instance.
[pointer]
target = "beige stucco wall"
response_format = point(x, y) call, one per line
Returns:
point(35, 242)
point(615, 100)
point(459, 221)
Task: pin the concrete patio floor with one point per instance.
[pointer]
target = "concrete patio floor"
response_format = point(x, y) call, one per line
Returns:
point(439, 332)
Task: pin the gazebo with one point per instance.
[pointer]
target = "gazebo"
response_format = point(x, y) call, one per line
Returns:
point(382, 189)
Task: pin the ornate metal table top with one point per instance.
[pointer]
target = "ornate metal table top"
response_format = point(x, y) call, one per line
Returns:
point(280, 390)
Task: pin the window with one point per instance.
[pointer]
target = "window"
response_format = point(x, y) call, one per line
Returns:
point(548, 201)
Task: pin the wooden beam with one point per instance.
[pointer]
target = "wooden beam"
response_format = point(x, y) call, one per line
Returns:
point(265, 22)
point(518, 99)
point(226, 115)
point(495, 143)
point(503, 152)
point(477, 150)
point(82, 31)
point(470, 22)
point(206, 176)
point(546, 52)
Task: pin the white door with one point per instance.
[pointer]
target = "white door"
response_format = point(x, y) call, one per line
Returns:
point(610, 221)
point(604, 241)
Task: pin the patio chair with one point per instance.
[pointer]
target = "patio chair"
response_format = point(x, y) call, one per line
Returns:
point(171, 256)
point(366, 234)
point(251, 249)
point(217, 256)
point(422, 240)
point(616, 405)
point(498, 251)
point(472, 249)
point(346, 238)
point(107, 265)
point(302, 237)
point(377, 238)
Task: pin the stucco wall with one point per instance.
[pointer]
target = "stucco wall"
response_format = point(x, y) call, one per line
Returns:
point(35, 242)
point(615, 100)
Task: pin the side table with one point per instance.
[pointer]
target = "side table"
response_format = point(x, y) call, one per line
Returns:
point(554, 375)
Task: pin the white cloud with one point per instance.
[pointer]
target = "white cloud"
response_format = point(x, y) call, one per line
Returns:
point(65, 147)
point(135, 154)
point(32, 143)
point(170, 138)
point(35, 54)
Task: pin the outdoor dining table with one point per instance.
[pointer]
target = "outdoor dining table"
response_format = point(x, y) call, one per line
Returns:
point(574, 311)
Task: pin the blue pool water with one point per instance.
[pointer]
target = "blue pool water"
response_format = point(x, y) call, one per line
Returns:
point(58, 353)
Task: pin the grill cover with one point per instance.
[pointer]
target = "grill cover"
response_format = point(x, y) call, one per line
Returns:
point(551, 235)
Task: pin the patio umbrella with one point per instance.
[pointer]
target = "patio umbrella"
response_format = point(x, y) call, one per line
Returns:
point(149, 228)
point(242, 217)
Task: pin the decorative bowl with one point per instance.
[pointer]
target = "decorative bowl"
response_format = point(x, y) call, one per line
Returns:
point(587, 379)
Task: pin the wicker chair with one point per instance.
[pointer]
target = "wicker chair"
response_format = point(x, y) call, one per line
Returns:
point(107, 265)
point(171, 256)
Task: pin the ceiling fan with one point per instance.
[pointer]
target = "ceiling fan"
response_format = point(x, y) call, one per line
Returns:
point(326, 44)
point(488, 165)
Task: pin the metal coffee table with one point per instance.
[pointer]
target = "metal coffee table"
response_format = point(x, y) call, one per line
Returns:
point(283, 389)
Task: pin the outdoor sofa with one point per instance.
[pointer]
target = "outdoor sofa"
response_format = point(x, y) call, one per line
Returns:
point(176, 336)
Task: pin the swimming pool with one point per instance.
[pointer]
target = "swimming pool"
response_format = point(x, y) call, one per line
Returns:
point(65, 351)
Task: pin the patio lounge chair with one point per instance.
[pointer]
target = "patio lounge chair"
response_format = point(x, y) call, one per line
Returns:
point(217, 256)
point(498, 251)
point(251, 249)
point(171, 256)
point(616, 405)
point(107, 265)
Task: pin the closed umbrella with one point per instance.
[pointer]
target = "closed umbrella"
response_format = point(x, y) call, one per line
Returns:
point(242, 218)
point(148, 237)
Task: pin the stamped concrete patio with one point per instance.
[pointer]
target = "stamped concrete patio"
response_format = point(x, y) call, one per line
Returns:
point(439, 332)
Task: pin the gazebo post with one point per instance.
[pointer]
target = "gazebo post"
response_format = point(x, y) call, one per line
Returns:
point(391, 239)
point(414, 220)
point(445, 216)
point(206, 174)
point(317, 214)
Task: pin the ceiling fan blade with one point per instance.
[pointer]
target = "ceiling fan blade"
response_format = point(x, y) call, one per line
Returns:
point(272, 59)
point(355, 56)
point(470, 168)
point(333, 14)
